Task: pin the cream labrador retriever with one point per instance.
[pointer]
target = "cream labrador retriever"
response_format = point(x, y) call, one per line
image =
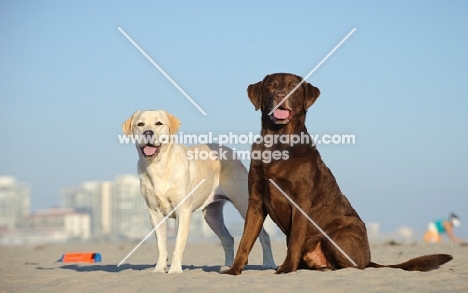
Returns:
point(170, 171)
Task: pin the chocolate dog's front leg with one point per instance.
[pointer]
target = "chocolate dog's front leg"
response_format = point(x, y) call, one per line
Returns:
point(254, 219)
point(295, 243)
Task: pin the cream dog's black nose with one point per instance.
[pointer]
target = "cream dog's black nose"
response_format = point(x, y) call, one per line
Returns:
point(148, 133)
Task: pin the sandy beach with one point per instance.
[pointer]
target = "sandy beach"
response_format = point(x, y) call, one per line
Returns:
point(35, 269)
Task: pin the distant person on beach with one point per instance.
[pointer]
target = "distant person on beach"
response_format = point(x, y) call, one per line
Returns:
point(436, 228)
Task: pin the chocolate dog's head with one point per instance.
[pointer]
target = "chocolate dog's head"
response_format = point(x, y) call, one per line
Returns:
point(269, 94)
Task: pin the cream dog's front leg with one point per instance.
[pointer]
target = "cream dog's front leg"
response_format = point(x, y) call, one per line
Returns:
point(156, 218)
point(183, 219)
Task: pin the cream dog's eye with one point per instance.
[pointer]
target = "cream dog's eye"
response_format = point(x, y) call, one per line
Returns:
point(158, 123)
point(141, 124)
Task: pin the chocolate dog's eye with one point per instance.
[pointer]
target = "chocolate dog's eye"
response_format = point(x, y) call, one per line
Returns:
point(141, 124)
point(158, 123)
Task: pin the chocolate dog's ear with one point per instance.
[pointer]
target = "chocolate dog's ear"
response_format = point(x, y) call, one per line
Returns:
point(174, 123)
point(311, 94)
point(254, 92)
point(127, 125)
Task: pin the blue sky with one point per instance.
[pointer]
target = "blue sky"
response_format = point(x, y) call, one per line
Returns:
point(69, 79)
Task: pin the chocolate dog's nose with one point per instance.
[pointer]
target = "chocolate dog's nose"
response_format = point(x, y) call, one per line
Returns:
point(148, 133)
point(279, 96)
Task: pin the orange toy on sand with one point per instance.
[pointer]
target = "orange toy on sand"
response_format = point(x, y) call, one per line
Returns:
point(81, 257)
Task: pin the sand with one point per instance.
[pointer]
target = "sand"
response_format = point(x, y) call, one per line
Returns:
point(35, 269)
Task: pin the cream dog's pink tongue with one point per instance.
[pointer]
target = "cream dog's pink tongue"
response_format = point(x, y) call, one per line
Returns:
point(281, 114)
point(149, 150)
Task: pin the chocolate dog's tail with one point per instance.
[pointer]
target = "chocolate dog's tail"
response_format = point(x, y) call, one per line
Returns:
point(423, 263)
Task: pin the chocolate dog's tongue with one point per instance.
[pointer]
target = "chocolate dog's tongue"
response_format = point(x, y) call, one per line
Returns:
point(149, 150)
point(281, 114)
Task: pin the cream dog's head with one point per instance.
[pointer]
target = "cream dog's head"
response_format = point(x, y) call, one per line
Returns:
point(151, 130)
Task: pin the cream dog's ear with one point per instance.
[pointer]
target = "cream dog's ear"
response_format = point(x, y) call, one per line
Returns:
point(174, 123)
point(127, 125)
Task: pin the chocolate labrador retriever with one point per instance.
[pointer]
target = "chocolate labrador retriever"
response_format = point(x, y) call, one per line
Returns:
point(339, 238)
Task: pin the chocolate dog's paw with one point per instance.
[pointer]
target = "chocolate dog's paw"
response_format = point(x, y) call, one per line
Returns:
point(232, 271)
point(284, 269)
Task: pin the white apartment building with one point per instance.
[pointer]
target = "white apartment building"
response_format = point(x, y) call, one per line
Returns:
point(95, 199)
point(14, 202)
point(130, 214)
